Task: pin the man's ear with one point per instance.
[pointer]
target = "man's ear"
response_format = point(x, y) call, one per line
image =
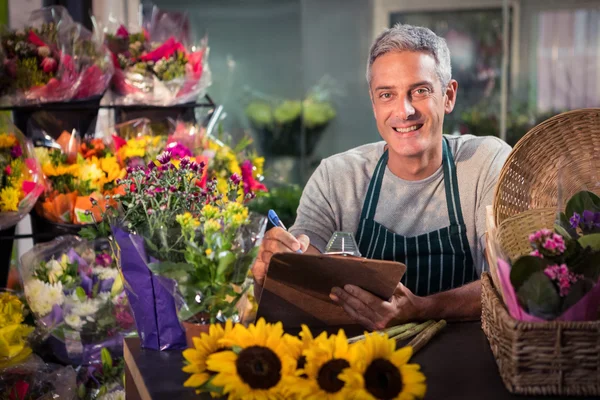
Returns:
point(450, 96)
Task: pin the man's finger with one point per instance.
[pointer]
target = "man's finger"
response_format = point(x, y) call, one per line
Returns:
point(367, 323)
point(367, 298)
point(304, 242)
point(346, 298)
point(265, 256)
point(279, 241)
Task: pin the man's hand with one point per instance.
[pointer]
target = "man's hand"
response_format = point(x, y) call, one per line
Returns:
point(276, 240)
point(463, 303)
point(374, 313)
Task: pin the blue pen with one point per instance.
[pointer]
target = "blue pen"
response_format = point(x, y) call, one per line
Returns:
point(272, 215)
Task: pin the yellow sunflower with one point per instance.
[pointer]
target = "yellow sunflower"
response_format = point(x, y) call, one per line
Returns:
point(383, 372)
point(258, 367)
point(326, 359)
point(204, 346)
point(297, 346)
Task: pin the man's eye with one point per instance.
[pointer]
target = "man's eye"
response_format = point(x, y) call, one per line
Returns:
point(422, 91)
point(385, 95)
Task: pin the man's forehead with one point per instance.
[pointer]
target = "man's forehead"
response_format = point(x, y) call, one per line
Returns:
point(403, 68)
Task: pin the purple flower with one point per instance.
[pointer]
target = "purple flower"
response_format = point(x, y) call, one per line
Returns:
point(172, 189)
point(86, 283)
point(184, 162)
point(16, 151)
point(164, 158)
point(159, 189)
point(151, 165)
point(574, 220)
point(194, 166)
point(54, 318)
point(236, 179)
point(103, 259)
point(178, 150)
point(106, 285)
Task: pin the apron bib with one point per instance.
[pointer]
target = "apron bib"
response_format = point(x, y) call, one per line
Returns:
point(435, 261)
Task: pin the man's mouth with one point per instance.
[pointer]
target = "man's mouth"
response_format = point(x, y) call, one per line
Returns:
point(408, 129)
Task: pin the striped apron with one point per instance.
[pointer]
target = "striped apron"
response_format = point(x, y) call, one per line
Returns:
point(435, 261)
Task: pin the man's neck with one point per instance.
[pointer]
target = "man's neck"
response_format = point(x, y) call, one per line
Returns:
point(415, 168)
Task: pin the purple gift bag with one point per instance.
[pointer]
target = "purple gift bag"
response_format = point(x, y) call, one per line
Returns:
point(153, 306)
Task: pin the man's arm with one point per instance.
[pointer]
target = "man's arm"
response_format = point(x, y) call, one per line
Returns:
point(460, 304)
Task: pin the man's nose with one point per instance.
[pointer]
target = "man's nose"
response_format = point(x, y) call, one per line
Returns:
point(405, 109)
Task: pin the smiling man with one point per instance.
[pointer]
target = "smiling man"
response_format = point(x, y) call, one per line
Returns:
point(418, 197)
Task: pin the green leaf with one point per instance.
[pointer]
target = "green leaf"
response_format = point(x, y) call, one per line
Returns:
point(587, 264)
point(209, 387)
point(592, 241)
point(581, 201)
point(539, 297)
point(95, 289)
point(81, 391)
point(80, 293)
point(89, 232)
point(236, 349)
point(225, 264)
point(106, 358)
point(576, 292)
point(166, 267)
point(564, 228)
point(524, 267)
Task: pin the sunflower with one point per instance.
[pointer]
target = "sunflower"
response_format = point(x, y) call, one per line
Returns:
point(204, 346)
point(258, 367)
point(326, 358)
point(383, 372)
point(297, 346)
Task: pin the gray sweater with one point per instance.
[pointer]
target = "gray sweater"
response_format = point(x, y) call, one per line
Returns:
point(333, 197)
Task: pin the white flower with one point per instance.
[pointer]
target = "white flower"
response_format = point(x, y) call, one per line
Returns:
point(42, 296)
point(104, 297)
point(116, 395)
point(55, 270)
point(90, 319)
point(74, 321)
point(85, 308)
point(105, 273)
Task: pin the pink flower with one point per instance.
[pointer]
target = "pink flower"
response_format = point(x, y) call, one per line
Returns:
point(49, 65)
point(564, 278)
point(35, 39)
point(547, 240)
point(8, 170)
point(536, 253)
point(166, 50)
point(122, 32)
point(250, 184)
point(16, 151)
point(178, 150)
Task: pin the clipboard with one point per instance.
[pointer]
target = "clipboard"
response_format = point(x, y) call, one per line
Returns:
point(297, 286)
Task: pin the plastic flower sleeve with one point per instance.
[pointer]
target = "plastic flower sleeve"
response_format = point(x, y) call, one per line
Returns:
point(212, 283)
point(21, 178)
point(37, 380)
point(75, 291)
point(151, 68)
point(54, 59)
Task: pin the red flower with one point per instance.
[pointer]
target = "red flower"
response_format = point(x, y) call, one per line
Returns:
point(8, 170)
point(122, 32)
point(115, 60)
point(132, 187)
point(35, 39)
point(19, 391)
point(251, 185)
point(119, 142)
point(166, 50)
point(49, 65)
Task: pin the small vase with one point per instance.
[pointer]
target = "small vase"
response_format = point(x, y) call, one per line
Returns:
point(194, 329)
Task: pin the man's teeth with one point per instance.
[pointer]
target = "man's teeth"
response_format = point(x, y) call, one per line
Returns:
point(406, 130)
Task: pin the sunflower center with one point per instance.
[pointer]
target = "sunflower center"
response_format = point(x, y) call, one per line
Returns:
point(328, 375)
point(383, 380)
point(300, 364)
point(259, 367)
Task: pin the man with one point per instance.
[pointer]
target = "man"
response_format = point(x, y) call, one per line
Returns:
point(419, 197)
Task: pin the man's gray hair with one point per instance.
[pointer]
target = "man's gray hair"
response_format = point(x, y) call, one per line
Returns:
point(413, 38)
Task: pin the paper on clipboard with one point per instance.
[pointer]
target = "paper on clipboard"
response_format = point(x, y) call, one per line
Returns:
point(297, 286)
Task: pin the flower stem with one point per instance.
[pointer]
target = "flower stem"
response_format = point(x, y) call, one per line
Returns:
point(425, 336)
point(412, 331)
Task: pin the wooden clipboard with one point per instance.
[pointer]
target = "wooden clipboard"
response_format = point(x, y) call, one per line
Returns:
point(297, 286)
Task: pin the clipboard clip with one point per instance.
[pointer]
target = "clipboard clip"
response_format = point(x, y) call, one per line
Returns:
point(342, 243)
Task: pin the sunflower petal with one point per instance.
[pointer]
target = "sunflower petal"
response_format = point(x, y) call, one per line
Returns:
point(401, 356)
point(196, 380)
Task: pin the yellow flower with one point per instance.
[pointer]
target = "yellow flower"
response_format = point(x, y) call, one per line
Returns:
point(9, 199)
point(112, 169)
point(89, 171)
point(222, 185)
point(232, 163)
point(258, 163)
point(258, 367)
point(204, 346)
point(209, 211)
point(211, 226)
point(297, 346)
point(187, 221)
point(7, 140)
point(51, 170)
point(208, 252)
point(13, 347)
point(383, 372)
point(326, 359)
point(11, 309)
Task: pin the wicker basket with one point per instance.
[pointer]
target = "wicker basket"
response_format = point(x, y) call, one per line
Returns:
point(513, 233)
point(549, 358)
point(529, 178)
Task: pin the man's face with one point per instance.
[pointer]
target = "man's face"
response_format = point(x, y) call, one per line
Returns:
point(408, 101)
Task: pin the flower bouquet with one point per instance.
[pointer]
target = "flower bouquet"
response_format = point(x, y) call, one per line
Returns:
point(75, 291)
point(79, 176)
point(260, 361)
point(53, 60)
point(157, 70)
point(14, 333)
point(179, 239)
point(103, 380)
point(21, 180)
point(559, 278)
point(279, 123)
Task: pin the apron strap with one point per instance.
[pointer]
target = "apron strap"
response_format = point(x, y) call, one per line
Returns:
point(451, 185)
point(372, 197)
